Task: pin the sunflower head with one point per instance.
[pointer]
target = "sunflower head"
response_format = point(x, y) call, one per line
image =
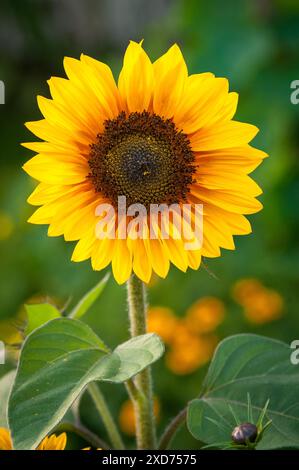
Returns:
point(143, 157)
point(158, 138)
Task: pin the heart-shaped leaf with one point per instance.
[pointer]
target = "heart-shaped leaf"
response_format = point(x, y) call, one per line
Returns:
point(57, 361)
point(254, 365)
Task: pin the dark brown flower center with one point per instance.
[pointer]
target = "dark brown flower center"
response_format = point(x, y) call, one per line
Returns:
point(142, 157)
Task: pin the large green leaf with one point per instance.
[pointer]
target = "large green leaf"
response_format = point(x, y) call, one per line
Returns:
point(58, 360)
point(88, 300)
point(39, 314)
point(5, 386)
point(256, 365)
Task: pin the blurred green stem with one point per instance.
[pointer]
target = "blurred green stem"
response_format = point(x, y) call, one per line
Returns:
point(102, 407)
point(85, 433)
point(172, 429)
point(142, 395)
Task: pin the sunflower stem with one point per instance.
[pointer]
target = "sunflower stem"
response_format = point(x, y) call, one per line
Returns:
point(143, 396)
point(102, 407)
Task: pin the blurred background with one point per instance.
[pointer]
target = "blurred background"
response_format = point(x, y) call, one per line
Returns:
point(255, 44)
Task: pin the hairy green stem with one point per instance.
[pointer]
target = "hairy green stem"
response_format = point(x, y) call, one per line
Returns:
point(102, 407)
point(141, 393)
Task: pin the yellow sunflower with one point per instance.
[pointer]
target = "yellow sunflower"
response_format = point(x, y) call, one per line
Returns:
point(52, 442)
point(158, 137)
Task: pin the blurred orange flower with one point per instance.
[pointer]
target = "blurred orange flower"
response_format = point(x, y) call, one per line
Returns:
point(189, 353)
point(163, 322)
point(245, 290)
point(205, 315)
point(189, 339)
point(261, 305)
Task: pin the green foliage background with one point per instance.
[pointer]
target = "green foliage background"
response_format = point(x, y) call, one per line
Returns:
point(255, 44)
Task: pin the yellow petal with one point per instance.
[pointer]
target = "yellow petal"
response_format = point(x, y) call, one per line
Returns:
point(236, 224)
point(60, 117)
point(136, 79)
point(43, 215)
point(176, 253)
point(242, 159)
point(57, 171)
point(203, 100)
point(92, 88)
point(121, 261)
point(102, 253)
point(102, 81)
point(170, 74)
point(55, 148)
point(45, 193)
point(158, 257)
point(53, 442)
point(46, 131)
point(194, 258)
point(218, 233)
point(73, 99)
point(210, 249)
point(5, 439)
point(223, 135)
point(75, 221)
point(227, 180)
point(61, 441)
point(74, 197)
point(141, 263)
point(230, 201)
point(84, 247)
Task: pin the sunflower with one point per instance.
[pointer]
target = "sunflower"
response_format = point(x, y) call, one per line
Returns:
point(52, 442)
point(158, 137)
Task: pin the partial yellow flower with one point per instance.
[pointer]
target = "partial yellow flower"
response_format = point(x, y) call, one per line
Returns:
point(158, 136)
point(5, 440)
point(205, 315)
point(52, 442)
